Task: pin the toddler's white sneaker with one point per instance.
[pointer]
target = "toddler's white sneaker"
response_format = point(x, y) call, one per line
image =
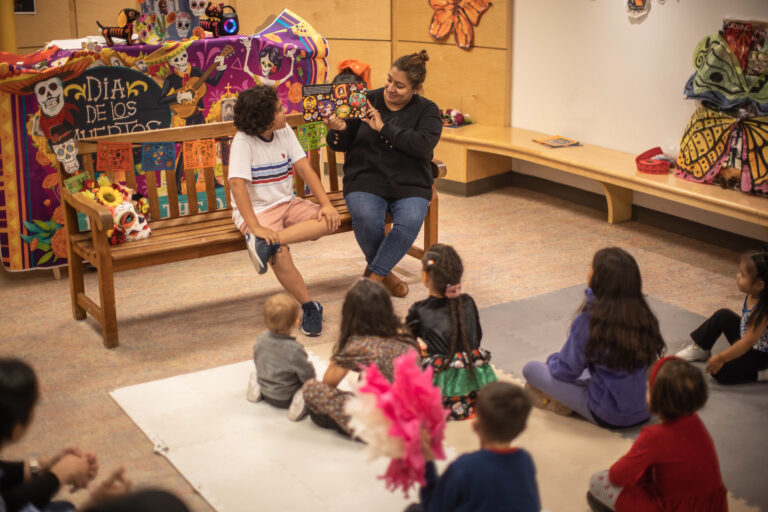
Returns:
point(253, 393)
point(298, 410)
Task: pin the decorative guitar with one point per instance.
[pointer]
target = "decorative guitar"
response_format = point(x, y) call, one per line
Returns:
point(197, 87)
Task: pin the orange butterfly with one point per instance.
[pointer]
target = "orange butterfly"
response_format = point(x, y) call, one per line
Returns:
point(459, 16)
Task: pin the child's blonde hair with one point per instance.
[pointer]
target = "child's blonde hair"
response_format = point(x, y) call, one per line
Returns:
point(281, 313)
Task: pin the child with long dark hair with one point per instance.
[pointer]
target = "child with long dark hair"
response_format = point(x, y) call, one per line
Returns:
point(672, 465)
point(449, 325)
point(615, 337)
point(746, 360)
point(370, 333)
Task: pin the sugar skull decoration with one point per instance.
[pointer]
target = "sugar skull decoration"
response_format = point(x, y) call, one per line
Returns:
point(198, 7)
point(64, 147)
point(50, 96)
point(183, 24)
point(129, 209)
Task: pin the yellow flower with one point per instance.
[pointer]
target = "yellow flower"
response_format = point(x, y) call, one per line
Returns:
point(104, 181)
point(89, 195)
point(109, 196)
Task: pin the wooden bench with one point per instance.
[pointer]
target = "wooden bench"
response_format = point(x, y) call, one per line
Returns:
point(176, 234)
point(474, 149)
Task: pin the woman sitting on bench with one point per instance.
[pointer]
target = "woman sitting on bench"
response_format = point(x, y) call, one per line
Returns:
point(387, 167)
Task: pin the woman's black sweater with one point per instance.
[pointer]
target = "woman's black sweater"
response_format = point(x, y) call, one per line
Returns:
point(395, 163)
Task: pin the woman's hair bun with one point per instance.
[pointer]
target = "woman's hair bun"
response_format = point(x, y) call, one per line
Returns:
point(423, 55)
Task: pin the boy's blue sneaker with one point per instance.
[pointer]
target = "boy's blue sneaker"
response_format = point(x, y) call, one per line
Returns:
point(312, 323)
point(259, 251)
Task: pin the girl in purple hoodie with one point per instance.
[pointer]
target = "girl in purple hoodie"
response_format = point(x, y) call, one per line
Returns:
point(601, 371)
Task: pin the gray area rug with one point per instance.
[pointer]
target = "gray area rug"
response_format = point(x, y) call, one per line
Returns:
point(736, 416)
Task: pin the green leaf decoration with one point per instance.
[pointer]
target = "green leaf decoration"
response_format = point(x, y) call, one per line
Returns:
point(43, 247)
point(47, 256)
point(45, 226)
point(32, 228)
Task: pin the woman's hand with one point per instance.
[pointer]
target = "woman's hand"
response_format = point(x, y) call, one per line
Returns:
point(373, 119)
point(334, 123)
point(714, 364)
point(332, 219)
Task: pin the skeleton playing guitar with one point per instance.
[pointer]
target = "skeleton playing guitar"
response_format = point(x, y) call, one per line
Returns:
point(198, 89)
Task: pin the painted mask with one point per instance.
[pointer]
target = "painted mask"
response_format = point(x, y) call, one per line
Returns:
point(180, 62)
point(133, 223)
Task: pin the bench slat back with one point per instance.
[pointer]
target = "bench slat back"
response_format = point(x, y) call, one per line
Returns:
point(222, 133)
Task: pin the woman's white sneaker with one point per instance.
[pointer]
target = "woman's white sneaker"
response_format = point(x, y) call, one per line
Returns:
point(692, 352)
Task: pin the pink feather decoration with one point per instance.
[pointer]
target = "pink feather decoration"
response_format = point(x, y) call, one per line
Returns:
point(409, 404)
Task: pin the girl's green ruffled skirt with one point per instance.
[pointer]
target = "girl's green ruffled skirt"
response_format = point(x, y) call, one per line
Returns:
point(458, 382)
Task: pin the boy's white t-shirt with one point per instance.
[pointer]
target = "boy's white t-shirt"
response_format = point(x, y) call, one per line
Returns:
point(267, 168)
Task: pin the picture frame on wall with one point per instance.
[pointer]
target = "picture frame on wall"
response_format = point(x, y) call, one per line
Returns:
point(228, 109)
point(24, 6)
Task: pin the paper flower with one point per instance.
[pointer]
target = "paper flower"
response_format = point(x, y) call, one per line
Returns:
point(390, 417)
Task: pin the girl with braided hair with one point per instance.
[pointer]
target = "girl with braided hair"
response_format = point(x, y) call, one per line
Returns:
point(449, 326)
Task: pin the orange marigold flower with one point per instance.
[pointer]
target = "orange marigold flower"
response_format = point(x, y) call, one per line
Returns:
point(171, 17)
point(59, 243)
point(294, 93)
point(47, 202)
point(51, 180)
point(33, 244)
point(58, 215)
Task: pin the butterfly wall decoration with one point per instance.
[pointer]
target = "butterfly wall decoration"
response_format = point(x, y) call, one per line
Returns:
point(457, 17)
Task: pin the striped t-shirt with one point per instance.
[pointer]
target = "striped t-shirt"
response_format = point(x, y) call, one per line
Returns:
point(267, 168)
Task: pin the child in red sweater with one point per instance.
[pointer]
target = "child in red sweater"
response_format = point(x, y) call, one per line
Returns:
point(672, 465)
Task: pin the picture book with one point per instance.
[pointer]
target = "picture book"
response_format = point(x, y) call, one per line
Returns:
point(326, 100)
point(557, 142)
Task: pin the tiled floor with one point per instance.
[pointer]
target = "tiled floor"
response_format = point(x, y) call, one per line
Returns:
point(198, 314)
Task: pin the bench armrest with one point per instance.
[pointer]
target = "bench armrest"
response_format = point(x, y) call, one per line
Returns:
point(100, 216)
point(439, 170)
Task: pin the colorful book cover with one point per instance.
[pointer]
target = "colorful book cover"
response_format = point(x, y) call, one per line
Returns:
point(340, 100)
point(557, 141)
point(311, 135)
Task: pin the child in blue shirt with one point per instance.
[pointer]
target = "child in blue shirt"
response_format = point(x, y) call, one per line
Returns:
point(496, 477)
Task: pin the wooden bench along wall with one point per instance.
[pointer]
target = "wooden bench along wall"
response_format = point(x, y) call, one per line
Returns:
point(477, 151)
point(179, 235)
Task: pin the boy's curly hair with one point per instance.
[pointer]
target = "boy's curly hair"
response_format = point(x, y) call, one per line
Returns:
point(255, 109)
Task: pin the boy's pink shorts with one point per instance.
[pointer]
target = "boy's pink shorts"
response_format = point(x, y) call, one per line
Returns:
point(286, 214)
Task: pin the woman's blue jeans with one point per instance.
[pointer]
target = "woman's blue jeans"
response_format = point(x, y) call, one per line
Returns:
point(383, 251)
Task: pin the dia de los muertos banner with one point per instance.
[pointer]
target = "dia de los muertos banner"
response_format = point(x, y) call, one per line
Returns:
point(53, 97)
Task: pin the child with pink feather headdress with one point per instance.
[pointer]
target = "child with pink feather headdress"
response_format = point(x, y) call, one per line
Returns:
point(448, 324)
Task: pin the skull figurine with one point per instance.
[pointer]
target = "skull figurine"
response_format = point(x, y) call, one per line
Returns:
point(183, 24)
point(50, 96)
point(133, 223)
point(198, 7)
point(66, 153)
point(180, 61)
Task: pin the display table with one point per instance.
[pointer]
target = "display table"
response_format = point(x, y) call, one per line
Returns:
point(53, 97)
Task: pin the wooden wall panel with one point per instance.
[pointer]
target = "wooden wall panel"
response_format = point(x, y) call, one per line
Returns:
point(479, 91)
point(412, 20)
point(90, 11)
point(375, 53)
point(334, 19)
point(54, 19)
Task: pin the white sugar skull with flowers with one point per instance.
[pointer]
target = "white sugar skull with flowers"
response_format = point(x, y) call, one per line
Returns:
point(129, 209)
